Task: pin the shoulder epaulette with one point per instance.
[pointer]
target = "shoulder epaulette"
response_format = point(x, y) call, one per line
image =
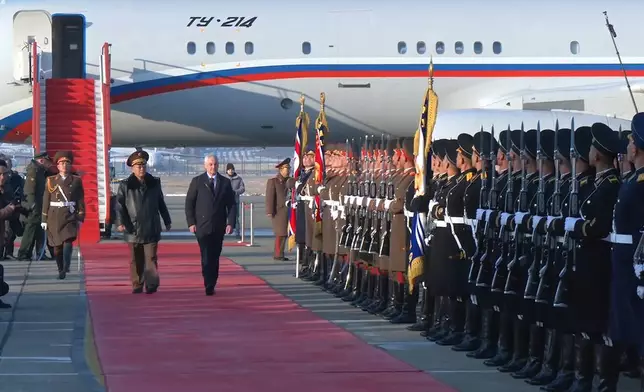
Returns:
point(640, 178)
point(613, 178)
point(468, 176)
point(412, 173)
point(583, 181)
point(551, 179)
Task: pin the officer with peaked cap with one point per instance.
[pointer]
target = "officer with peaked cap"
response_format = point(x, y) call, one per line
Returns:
point(313, 244)
point(36, 174)
point(330, 219)
point(626, 321)
point(140, 199)
point(303, 228)
point(63, 210)
point(399, 251)
point(590, 290)
point(277, 206)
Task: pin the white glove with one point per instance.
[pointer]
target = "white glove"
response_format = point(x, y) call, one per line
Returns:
point(320, 188)
point(287, 203)
point(44, 226)
point(638, 269)
point(536, 220)
point(640, 292)
point(570, 223)
point(519, 217)
point(504, 218)
point(346, 199)
point(359, 200)
point(387, 204)
point(378, 201)
point(297, 184)
point(480, 214)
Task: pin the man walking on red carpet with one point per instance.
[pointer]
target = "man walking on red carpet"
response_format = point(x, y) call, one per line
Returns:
point(210, 213)
point(139, 201)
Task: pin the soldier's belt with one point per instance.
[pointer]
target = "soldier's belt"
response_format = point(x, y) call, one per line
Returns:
point(439, 223)
point(306, 198)
point(408, 213)
point(455, 220)
point(62, 204)
point(560, 240)
point(469, 222)
point(619, 238)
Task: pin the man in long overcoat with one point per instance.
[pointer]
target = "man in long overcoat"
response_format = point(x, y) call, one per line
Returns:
point(63, 210)
point(276, 206)
point(139, 203)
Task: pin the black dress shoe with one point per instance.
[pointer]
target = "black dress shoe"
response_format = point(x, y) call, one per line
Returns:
point(62, 275)
point(210, 291)
point(138, 290)
point(151, 290)
point(4, 305)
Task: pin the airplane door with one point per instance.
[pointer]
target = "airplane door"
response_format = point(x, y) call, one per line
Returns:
point(30, 26)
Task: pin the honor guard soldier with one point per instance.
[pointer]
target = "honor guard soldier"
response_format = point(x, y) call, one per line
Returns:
point(63, 210)
point(37, 172)
point(590, 278)
point(399, 250)
point(277, 206)
point(627, 287)
point(308, 193)
point(302, 229)
point(496, 327)
point(341, 189)
point(476, 193)
point(330, 196)
point(421, 205)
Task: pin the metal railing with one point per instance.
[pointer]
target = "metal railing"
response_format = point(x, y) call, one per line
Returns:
point(242, 222)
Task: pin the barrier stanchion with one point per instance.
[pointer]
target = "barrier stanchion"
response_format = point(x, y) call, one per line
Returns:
point(252, 227)
point(242, 221)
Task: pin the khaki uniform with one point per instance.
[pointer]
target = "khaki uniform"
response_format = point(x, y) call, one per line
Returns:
point(276, 198)
point(399, 231)
point(383, 261)
point(63, 208)
point(308, 194)
point(327, 196)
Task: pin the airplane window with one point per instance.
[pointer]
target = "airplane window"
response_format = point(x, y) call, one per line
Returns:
point(191, 48)
point(478, 47)
point(496, 47)
point(574, 47)
point(402, 47)
point(249, 48)
point(306, 47)
point(230, 47)
point(458, 47)
point(440, 47)
point(210, 48)
point(420, 47)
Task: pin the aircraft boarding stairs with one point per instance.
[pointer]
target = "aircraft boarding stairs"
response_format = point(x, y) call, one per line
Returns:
point(74, 115)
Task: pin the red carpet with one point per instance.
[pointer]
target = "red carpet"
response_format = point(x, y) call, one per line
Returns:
point(248, 337)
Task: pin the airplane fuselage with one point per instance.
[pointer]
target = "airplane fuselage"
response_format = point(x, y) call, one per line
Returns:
point(231, 73)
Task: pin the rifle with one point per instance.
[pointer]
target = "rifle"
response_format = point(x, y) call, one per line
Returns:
point(385, 241)
point(514, 271)
point(371, 194)
point(544, 291)
point(346, 228)
point(532, 284)
point(562, 294)
point(374, 246)
point(479, 234)
point(363, 191)
point(501, 264)
point(486, 267)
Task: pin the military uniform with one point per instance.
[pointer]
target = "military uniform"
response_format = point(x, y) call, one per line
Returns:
point(63, 210)
point(34, 189)
point(627, 287)
point(328, 194)
point(277, 208)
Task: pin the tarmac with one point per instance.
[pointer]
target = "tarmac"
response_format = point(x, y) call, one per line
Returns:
point(47, 341)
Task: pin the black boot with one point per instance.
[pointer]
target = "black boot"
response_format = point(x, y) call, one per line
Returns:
point(630, 362)
point(377, 293)
point(356, 287)
point(391, 298)
point(408, 314)
point(535, 354)
point(317, 267)
point(457, 325)
point(504, 352)
point(399, 301)
point(584, 365)
point(426, 313)
point(440, 329)
point(520, 352)
point(368, 297)
point(471, 341)
point(551, 353)
point(489, 335)
point(348, 282)
point(324, 274)
point(382, 305)
point(566, 371)
point(60, 263)
point(607, 368)
point(363, 290)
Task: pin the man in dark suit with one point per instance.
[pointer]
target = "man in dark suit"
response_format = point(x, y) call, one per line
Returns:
point(210, 212)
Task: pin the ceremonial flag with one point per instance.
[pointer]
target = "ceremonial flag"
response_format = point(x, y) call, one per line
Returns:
point(422, 144)
point(321, 128)
point(302, 125)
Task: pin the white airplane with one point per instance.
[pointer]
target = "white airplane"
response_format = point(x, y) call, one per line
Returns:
point(231, 73)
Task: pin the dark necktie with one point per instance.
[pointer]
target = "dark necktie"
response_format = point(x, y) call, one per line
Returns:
point(212, 184)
